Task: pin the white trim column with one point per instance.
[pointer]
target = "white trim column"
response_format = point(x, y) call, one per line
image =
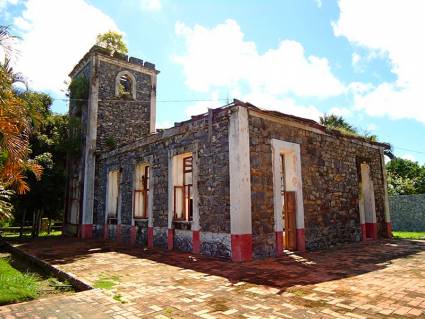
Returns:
point(386, 200)
point(152, 124)
point(89, 158)
point(367, 203)
point(196, 235)
point(240, 185)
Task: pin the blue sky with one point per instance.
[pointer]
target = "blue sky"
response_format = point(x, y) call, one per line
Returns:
point(360, 59)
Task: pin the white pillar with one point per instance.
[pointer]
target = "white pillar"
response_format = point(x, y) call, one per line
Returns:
point(170, 189)
point(90, 148)
point(150, 194)
point(386, 200)
point(195, 176)
point(240, 185)
point(153, 105)
point(240, 173)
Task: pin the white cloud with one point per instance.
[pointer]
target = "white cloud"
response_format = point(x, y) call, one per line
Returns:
point(151, 5)
point(283, 105)
point(393, 29)
point(359, 87)
point(221, 57)
point(56, 34)
point(409, 157)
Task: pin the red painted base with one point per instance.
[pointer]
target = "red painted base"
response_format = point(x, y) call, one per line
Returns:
point(170, 239)
point(86, 231)
point(118, 232)
point(371, 231)
point(150, 237)
point(133, 232)
point(300, 239)
point(196, 241)
point(363, 229)
point(241, 247)
point(279, 243)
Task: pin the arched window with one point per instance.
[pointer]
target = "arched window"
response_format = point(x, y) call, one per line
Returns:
point(125, 85)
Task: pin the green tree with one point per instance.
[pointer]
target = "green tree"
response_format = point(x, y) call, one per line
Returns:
point(112, 41)
point(405, 177)
point(50, 143)
point(15, 129)
point(336, 122)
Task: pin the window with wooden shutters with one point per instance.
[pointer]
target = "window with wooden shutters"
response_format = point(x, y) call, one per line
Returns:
point(141, 191)
point(113, 195)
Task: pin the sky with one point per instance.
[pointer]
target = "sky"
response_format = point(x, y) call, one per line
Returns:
point(361, 59)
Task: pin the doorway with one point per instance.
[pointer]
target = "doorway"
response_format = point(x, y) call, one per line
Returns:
point(287, 196)
point(289, 234)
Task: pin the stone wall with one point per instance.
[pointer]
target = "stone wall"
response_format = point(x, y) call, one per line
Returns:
point(408, 212)
point(209, 138)
point(330, 175)
point(121, 120)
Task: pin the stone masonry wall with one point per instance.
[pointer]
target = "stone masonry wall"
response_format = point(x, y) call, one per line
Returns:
point(121, 120)
point(330, 169)
point(213, 178)
point(408, 212)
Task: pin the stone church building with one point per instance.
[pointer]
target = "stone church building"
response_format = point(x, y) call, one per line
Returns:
point(236, 182)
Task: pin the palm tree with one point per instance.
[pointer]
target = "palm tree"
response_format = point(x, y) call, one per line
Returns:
point(338, 123)
point(15, 129)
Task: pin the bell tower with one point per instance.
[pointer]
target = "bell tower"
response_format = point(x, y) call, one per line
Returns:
point(115, 103)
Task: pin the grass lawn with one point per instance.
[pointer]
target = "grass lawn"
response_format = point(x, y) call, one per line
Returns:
point(53, 233)
point(20, 281)
point(408, 235)
point(14, 285)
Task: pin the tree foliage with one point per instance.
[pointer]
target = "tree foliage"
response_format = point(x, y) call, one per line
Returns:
point(78, 92)
point(336, 122)
point(17, 120)
point(50, 143)
point(405, 177)
point(112, 41)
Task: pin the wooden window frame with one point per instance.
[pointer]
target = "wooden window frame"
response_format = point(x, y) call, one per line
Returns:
point(187, 214)
point(145, 194)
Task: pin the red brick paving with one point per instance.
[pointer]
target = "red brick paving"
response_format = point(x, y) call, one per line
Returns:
point(383, 279)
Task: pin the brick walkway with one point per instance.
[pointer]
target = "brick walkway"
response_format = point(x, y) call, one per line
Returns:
point(383, 279)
